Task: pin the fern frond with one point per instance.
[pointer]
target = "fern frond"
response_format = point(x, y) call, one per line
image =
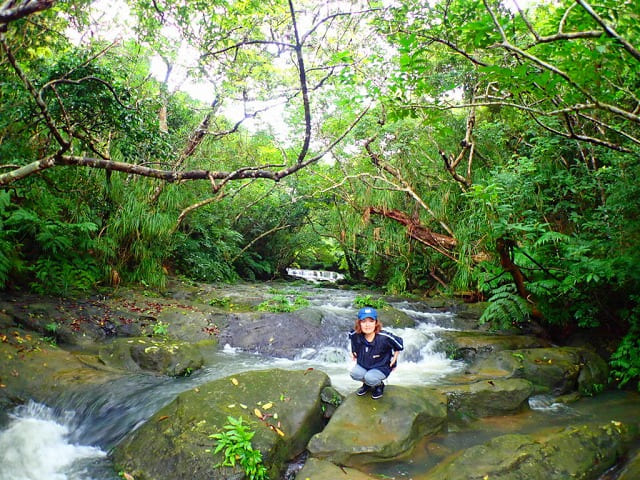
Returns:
point(505, 309)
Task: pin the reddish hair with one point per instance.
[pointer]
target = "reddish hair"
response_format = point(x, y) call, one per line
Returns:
point(377, 329)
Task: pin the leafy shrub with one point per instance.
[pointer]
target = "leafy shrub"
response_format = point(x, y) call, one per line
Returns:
point(204, 253)
point(223, 302)
point(369, 301)
point(160, 329)
point(505, 309)
point(281, 303)
point(56, 253)
point(235, 442)
point(625, 361)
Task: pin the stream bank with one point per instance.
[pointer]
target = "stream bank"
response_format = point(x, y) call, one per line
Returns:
point(497, 381)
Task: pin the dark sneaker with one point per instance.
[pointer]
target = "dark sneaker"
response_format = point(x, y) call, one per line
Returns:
point(378, 390)
point(363, 389)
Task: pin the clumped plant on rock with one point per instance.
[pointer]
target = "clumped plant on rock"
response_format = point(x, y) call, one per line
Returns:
point(369, 301)
point(235, 443)
point(281, 304)
point(161, 329)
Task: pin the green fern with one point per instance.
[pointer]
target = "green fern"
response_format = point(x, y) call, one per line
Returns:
point(506, 309)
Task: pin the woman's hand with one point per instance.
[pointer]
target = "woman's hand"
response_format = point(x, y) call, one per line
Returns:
point(394, 359)
point(353, 356)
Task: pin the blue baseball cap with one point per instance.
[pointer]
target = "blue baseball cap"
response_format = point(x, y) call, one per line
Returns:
point(367, 312)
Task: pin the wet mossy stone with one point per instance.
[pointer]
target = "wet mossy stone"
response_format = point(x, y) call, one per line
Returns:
point(631, 470)
point(488, 397)
point(466, 345)
point(552, 370)
point(394, 318)
point(581, 451)
point(175, 442)
point(275, 334)
point(34, 370)
point(363, 430)
point(316, 469)
point(173, 358)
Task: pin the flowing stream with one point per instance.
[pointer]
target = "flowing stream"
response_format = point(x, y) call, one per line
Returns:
point(69, 438)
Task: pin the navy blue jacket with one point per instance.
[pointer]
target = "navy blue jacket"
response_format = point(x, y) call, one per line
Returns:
point(376, 354)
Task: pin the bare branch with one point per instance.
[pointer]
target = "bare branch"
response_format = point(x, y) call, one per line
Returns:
point(406, 187)
point(262, 235)
point(11, 11)
point(560, 35)
point(42, 106)
point(239, 45)
point(302, 75)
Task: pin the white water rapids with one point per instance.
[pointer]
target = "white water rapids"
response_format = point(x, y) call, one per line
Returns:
point(36, 446)
point(70, 441)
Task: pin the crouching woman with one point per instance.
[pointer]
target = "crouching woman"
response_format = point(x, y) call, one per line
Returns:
point(375, 352)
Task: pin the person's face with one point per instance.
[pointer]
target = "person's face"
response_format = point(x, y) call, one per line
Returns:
point(368, 325)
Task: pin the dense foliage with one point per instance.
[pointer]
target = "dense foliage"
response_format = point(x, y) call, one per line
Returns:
point(468, 147)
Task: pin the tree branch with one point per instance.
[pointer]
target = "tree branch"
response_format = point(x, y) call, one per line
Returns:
point(10, 12)
point(634, 52)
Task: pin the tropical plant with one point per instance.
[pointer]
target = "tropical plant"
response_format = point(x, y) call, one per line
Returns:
point(282, 303)
point(235, 444)
point(369, 301)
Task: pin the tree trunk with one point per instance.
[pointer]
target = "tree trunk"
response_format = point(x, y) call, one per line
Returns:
point(504, 247)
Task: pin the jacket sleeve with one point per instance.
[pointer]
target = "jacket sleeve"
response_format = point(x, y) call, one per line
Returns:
point(352, 338)
point(396, 342)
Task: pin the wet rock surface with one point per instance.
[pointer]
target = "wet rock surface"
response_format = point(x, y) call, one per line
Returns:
point(364, 430)
point(51, 346)
point(282, 407)
point(580, 451)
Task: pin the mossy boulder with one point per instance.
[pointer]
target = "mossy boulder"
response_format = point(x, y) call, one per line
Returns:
point(175, 442)
point(331, 400)
point(31, 368)
point(316, 469)
point(192, 325)
point(488, 397)
point(394, 318)
point(363, 430)
point(582, 451)
point(163, 356)
point(553, 370)
point(276, 334)
point(631, 471)
point(466, 345)
point(52, 318)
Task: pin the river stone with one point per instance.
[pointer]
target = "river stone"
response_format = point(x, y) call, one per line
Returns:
point(30, 368)
point(173, 358)
point(316, 469)
point(487, 398)
point(631, 471)
point(474, 345)
point(583, 451)
point(63, 321)
point(175, 442)
point(555, 370)
point(394, 318)
point(281, 335)
point(363, 430)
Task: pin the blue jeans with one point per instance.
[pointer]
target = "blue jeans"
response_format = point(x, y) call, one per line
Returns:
point(371, 377)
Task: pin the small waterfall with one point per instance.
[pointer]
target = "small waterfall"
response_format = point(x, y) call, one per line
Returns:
point(36, 446)
point(419, 364)
point(315, 276)
point(69, 441)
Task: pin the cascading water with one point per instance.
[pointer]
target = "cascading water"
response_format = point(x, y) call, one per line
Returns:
point(36, 446)
point(315, 275)
point(68, 440)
